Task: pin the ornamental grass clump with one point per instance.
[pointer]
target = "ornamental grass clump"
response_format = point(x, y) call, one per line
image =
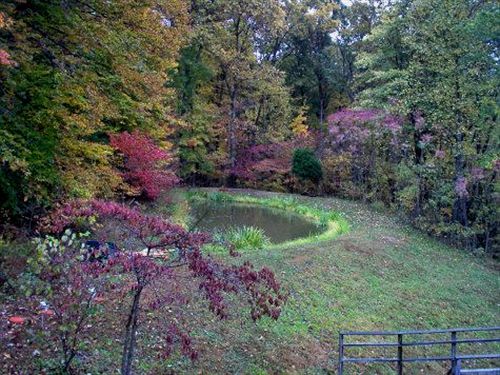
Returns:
point(247, 237)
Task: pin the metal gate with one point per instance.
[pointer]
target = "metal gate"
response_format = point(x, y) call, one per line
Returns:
point(397, 341)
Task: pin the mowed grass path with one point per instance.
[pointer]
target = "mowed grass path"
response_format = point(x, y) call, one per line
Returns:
point(382, 275)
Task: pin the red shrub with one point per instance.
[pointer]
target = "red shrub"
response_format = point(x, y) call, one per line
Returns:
point(146, 164)
point(183, 253)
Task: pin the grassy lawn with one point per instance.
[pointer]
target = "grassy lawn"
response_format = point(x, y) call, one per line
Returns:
point(366, 271)
point(380, 275)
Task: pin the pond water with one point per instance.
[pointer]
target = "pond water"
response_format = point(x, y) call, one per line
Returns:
point(278, 225)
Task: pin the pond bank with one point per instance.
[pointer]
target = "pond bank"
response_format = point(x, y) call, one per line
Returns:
point(330, 222)
point(381, 275)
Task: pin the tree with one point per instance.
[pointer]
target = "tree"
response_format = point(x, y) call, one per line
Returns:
point(67, 291)
point(456, 66)
point(382, 59)
point(364, 147)
point(179, 250)
point(248, 89)
point(197, 134)
point(356, 22)
point(307, 58)
point(299, 124)
point(146, 165)
point(83, 69)
point(434, 62)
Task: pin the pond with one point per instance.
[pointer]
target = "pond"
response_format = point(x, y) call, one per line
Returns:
point(278, 225)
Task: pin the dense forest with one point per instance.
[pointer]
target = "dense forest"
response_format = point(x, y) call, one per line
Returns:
point(398, 100)
point(375, 116)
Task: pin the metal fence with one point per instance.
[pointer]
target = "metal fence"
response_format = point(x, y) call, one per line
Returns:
point(455, 356)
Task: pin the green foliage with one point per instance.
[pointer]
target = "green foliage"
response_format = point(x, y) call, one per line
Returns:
point(190, 75)
point(434, 63)
point(194, 138)
point(310, 60)
point(14, 257)
point(28, 174)
point(306, 165)
point(63, 92)
point(215, 196)
point(246, 238)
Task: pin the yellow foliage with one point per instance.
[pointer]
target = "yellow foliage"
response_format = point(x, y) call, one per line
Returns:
point(88, 170)
point(143, 48)
point(299, 124)
point(3, 20)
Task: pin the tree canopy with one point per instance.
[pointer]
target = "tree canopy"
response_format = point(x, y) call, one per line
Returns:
point(212, 82)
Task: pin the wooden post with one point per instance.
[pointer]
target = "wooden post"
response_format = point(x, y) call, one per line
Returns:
point(341, 354)
point(453, 352)
point(400, 354)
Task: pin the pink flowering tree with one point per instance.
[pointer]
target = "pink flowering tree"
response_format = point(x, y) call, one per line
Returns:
point(156, 254)
point(351, 129)
point(5, 58)
point(146, 166)
point(418, 165)
point(360, 150)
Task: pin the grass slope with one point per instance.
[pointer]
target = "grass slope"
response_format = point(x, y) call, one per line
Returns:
point(381, 275)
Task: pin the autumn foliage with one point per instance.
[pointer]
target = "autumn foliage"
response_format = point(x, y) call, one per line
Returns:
point(146, 166)
point(5, 58)
point(155, 254)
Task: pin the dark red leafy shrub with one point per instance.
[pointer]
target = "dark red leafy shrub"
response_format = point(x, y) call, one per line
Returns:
point(268, 166)
point(61, 291)
point(264, 158)
point(181, 252)
point(146, 164)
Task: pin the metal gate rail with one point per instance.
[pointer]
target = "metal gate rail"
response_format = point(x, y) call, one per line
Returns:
point(455, 359)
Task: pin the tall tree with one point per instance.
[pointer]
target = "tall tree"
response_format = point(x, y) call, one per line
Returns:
point(356, 21)
point(83, 68)
point(231, 37)
point(308, 61)
point(436, 63)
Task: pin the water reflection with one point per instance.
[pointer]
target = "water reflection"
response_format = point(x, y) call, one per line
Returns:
point(278, 225)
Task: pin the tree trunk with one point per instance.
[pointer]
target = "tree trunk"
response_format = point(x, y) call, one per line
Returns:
point(322, 98)
point(232, 127)
point(322, 87)
point(130, 332)
point(418, 159)
point(460, 205)
point(233, 93)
